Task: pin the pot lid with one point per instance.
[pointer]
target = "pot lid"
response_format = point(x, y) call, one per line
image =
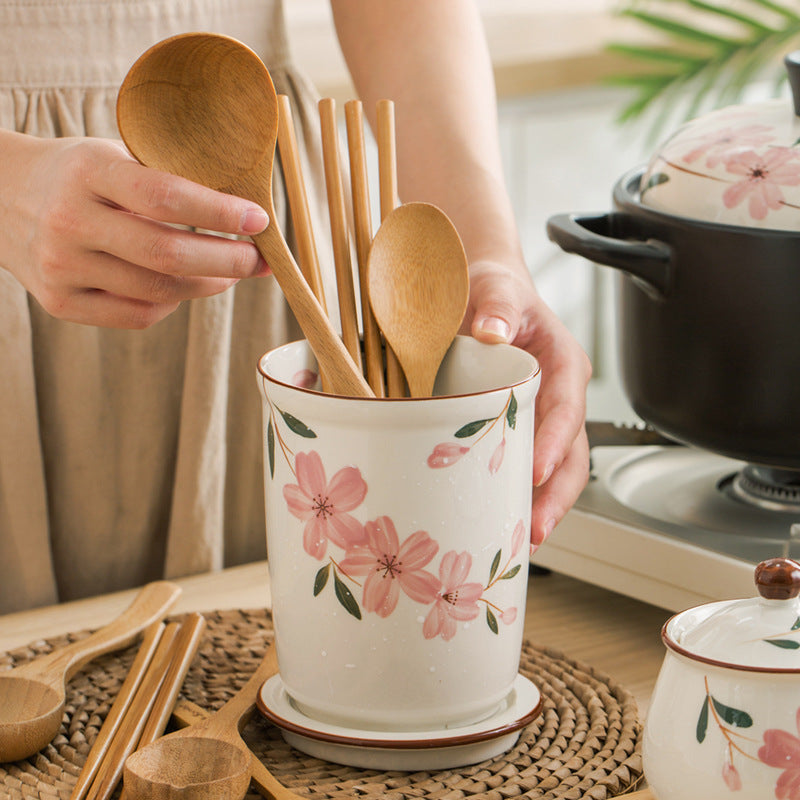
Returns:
point(761, 633)
point(738, 165)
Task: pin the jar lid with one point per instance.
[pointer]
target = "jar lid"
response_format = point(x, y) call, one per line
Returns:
point(736, 166)
point(760, 633)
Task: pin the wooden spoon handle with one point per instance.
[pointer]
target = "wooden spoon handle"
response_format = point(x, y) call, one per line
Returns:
point(187, 713)
point(239, 708)
point(334, 361)
point(151, 604)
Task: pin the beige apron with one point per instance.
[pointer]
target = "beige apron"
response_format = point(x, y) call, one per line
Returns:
point(127, 456)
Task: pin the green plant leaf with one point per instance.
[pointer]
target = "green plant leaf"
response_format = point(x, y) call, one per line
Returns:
point(785, 644)
point(345, 597)
point(294, 425)
point(471, 428)
point(495, 565)
point(796, 625)
point(507, 576)
point(491, 620)
point(271, 447)
point(511, 414)
point(321, 579)
point(733, 716)
point(702, 722)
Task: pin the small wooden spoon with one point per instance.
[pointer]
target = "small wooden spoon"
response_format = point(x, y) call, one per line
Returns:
point(207, 760)
point(32, 695)
point(203, 106)
point(418, 287)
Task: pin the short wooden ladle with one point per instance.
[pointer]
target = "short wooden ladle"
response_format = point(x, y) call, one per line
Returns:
point(206, 761)
point(418, 281)
point(32, 696)
point(203, 106)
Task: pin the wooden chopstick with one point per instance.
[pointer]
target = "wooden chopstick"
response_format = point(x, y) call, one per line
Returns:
point(307, 257)
point(182, 654)
point(339, 228)
point(128, 733)
point(387, 179)
point(116, 714)
point(362, 222)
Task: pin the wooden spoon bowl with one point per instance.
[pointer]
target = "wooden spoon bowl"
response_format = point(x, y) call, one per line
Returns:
point(418, 280)
point(32, 696)
point(206, 761)
point(203, 106)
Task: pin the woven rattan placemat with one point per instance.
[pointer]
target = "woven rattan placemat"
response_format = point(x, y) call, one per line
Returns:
point(584, 745)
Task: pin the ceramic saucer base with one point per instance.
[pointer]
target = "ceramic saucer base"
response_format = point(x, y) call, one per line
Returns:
point(406, 750)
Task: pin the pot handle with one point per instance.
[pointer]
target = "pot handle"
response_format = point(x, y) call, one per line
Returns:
point(588, 235)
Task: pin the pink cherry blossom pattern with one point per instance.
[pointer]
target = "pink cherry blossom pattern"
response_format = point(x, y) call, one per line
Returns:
point(457, 600)
point(497, 457)
point(781, 749)
point(445, 454)
point(762, 176)
point(731, 776)
point(509, 616)
point(304, 378)
point(390, 566)
point(323, 506)
point(715, 145)
point(518, 538)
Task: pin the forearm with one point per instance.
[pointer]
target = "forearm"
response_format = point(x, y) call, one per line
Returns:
point(443, 89)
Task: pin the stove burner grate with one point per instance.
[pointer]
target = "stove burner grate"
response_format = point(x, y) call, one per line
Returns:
point(769, 488)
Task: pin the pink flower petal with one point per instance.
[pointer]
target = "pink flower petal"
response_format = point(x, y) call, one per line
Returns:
point(731, 777)
point(298, 502)
point(314, 541)
point(509, 616)
point(421, 586)
point(347, 489)
point(358, 561)
point(382, 537)
point(417, 551)
point(433, 622)
point(445, 454)
point(780, 749)
point(497, 457)
point(518, 538)
point(380, 594)
point(345, 531)
point(310, 473)
point(454, 568)
point(304, 378)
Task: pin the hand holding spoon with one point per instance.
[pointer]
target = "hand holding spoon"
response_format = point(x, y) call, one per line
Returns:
point(418, 281)
point(32, 695)
point(203, 106)
point(207, 760)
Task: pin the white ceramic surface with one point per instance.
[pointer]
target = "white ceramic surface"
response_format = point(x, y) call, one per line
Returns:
point(397, 535)
point(737, 166)
point(409, 750)
point(724, 718)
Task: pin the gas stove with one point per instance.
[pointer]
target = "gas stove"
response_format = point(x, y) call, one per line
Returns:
point(675, 526)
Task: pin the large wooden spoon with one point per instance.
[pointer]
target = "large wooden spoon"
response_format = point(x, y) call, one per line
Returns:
point(418, 281)
point(32, 695)
point(206, 761)
point(203, 106)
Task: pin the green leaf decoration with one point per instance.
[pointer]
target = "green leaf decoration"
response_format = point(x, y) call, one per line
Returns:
point(702, 722)
point(321, 579)
point(495, 564)
point(345, 597)
point(733, 716)
point(507, 576)
point(491, 620)
point(511, 414)
point(796, 625)
point(707, 54)
point(271, 447)
point(785, 644)
point(297, 427)
point(471, 428)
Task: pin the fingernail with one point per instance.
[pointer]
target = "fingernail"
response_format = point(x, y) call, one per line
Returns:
point(496, 328)
point(548, 471)
point(254, 220)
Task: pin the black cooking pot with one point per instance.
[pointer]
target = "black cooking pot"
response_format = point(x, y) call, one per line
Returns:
point(708, 323)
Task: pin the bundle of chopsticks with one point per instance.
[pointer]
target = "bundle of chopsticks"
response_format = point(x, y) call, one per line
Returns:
point(379, 364)
point(143, 706)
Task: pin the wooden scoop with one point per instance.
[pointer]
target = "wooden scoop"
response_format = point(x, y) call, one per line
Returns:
point(203, 106)
point(207, 760)
point(32, 695)
point(418, 287)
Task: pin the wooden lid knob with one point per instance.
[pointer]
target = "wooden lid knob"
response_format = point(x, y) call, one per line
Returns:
point(778, 578)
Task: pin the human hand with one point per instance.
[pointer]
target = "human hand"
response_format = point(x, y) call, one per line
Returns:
point(91, 234)
point(504, 306)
